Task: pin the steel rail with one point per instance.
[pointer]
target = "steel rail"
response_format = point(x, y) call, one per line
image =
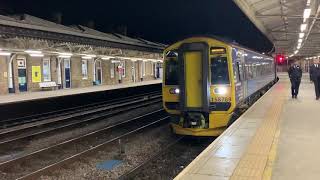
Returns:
point(63, 112)
point(134, 171)
point(11, 163)
point(5, 135)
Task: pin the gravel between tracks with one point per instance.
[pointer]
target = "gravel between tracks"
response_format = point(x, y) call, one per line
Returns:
point(37, 144)
point(136, 149)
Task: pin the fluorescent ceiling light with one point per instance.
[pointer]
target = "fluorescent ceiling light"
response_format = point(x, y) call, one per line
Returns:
point(32, 52)
point(298, 47)
point(115, 61)
point(296, 51)
point(303, 27)
point(306, 13)
point(107, 57)
point(301, 35)
point(5, 54)
point(86, 57)
point(65, 54)
point(300, 40)
point(91, 55)
point(36, 55)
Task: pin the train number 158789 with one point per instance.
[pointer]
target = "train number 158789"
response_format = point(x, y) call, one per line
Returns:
point(221, 99)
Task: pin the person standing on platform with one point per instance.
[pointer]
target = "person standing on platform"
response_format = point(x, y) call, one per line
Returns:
point(315, 74)
point(295, 74)
point(310, 72)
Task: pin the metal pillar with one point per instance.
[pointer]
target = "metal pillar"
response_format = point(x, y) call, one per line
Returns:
point(10, 75)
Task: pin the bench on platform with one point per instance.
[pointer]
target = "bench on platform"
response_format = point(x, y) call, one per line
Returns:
point(48, 85)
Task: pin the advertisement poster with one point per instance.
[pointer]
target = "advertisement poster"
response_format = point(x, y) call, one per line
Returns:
point(36, 74)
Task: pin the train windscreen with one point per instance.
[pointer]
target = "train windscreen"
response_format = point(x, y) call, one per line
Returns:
point(171, 74)
point(219, 70)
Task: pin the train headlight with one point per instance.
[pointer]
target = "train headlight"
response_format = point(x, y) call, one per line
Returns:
point(174, 91)
point(220, 90)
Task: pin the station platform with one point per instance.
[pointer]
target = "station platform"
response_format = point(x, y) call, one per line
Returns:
point(277, 138)
point(27, 96)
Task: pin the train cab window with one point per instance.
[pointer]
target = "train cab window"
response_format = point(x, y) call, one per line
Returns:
point(171, 74)
point(219, 70)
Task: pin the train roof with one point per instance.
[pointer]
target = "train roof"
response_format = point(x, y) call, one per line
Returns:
point(224, 40)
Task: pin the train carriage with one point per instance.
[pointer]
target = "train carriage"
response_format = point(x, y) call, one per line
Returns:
point(207, 81)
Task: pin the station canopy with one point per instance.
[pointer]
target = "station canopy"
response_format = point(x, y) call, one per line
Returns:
point(291, 25)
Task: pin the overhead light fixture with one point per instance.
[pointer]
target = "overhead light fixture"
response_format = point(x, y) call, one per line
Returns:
point(298, 47)
point(32, 52)
point(115, 61)
point(308, 3)
point(306, 13)
point(36, 55)
point(296, 51)
point(301, 35)
point(86, 57)
point(107, 57)
point(303, 27)
point(300, 40)
point(65, 54)
point(5, 54)
point(90, 55)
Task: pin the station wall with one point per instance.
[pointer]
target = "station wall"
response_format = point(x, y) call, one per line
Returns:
point(29, 71)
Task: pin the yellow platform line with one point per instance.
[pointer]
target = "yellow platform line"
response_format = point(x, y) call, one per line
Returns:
point(256, 163)
point(267, 174)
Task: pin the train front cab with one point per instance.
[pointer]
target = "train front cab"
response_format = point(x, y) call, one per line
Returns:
point(197, 90)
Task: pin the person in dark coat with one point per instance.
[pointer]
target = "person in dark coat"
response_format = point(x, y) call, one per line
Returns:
point(315, 75)
point(310, 72)
point(295, 74)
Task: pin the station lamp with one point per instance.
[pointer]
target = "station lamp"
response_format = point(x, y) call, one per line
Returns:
point(303, 27)
point(301, 35)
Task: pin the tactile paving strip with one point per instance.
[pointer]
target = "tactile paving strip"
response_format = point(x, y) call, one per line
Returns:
point(253, 162)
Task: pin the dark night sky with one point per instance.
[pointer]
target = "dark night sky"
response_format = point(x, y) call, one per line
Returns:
point(163, 21)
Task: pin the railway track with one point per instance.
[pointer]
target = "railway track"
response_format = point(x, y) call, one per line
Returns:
point(72, 111)
point(35, 164)
point(168, 161)
point(18, 137)
point(136, 170)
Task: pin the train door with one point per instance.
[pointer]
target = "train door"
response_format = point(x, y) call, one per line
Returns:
point(22, 74)
point(194, 73)
point(239, 69)
point(67, 73)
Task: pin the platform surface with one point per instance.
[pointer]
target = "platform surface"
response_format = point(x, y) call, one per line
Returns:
point(11, 98)
point(277, 138)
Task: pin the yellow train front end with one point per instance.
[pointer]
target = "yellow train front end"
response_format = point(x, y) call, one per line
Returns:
point(198, 88)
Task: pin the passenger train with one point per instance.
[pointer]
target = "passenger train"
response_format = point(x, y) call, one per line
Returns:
point(208, 81)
